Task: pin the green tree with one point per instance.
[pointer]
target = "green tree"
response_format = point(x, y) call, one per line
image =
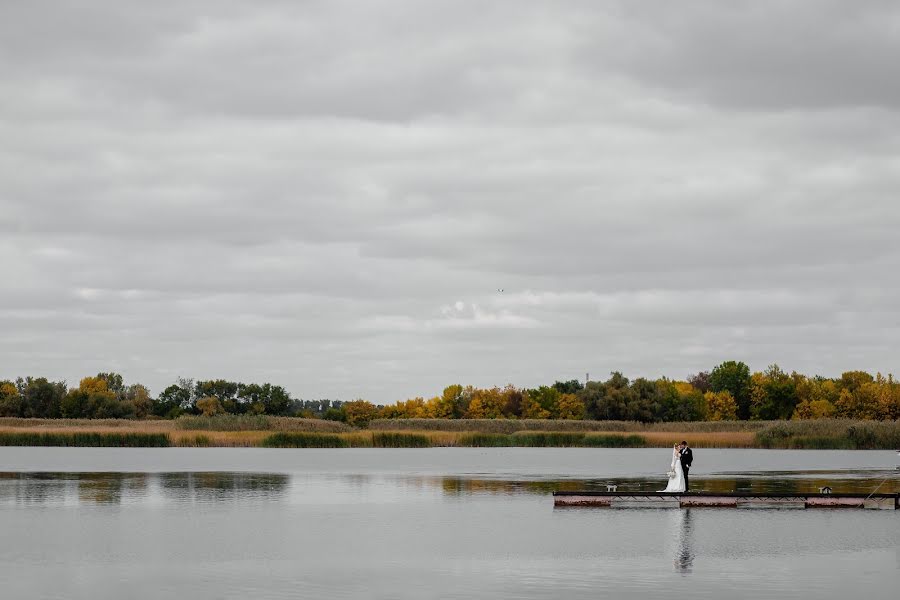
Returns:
point(91, 400)
point(773, 395)
point(333, 413)
point(276, 399)
point(531, 409)
point(224, 391)
point(608, 400)
point(173, 401)
point(114, 384)
point(547, 399)
point(572, 386)
point(733, 377)
point(42, 398)
point(138, 397)
point(680, 401)
point(644, 405)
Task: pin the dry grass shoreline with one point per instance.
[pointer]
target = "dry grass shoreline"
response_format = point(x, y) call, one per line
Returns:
point(261, 431)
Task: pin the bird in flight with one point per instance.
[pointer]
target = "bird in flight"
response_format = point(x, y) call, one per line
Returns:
point(500, 290)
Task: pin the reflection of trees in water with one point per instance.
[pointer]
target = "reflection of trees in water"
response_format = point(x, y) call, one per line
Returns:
point(49, 488)
point(31, 488)
point(222, 486)
point(458, 486)
point(109, 488)
point(462, 486)
point(113, 488)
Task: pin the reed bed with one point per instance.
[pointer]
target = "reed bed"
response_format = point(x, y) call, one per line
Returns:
point(497, 425)
point(305, 440)
point(218, 439)
point(704, 426)
point(201, 440)
point(259, 423)
point(550, 440)
point(509, 426)
point(289, 439)
point(396, 439)
point(615, 441)
point(85, 439)
point(712, 439)
point(831, 433)
point(149, 425)
point(484, 440)
point(256, 431)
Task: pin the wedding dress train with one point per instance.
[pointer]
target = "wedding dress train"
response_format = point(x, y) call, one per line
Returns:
point(676, 483)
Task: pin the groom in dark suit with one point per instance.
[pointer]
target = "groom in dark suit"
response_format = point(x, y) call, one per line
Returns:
point(687, 457)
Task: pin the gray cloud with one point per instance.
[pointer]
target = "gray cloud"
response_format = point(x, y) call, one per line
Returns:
point(327, 195)
point(766, 55)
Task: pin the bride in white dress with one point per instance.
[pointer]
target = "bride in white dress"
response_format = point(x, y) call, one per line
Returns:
point(676, 475)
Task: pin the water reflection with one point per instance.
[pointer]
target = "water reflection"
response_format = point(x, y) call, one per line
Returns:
point(108, 488)
point(216, 487)
point(793, 483)
point(118, 488)
point(684, 556)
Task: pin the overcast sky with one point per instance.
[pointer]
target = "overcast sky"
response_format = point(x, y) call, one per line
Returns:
point(327, 195)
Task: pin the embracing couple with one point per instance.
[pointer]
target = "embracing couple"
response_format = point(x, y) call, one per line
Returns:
point(682, 457)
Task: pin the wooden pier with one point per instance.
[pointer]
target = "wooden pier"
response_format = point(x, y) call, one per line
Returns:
point(637, 499)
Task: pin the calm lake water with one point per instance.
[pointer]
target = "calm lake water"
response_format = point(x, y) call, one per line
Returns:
point(431, 523)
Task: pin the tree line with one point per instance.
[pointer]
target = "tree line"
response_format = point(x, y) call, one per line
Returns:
point(727, 392)
point(106, 396)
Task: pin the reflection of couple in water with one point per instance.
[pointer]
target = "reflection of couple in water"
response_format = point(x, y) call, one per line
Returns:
point(684, 554)
point(682, 457)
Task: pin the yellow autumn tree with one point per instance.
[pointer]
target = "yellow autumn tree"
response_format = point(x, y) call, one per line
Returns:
point(210, 406)
point(548, 399)
point(720, 406)
point(94, 385)
point(11, 404)
point(816, 398)
point(570, 407)
point(486, 404)
point(814, 409)
point(438, 408)
point(414, 408)
point(358, 413)
point(887, 397)
point(531, 409)
point(139, 398)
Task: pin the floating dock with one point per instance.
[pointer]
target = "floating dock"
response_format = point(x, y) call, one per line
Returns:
point(625, 499)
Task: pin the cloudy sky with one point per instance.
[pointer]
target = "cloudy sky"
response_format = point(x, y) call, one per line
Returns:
point(327, 195)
